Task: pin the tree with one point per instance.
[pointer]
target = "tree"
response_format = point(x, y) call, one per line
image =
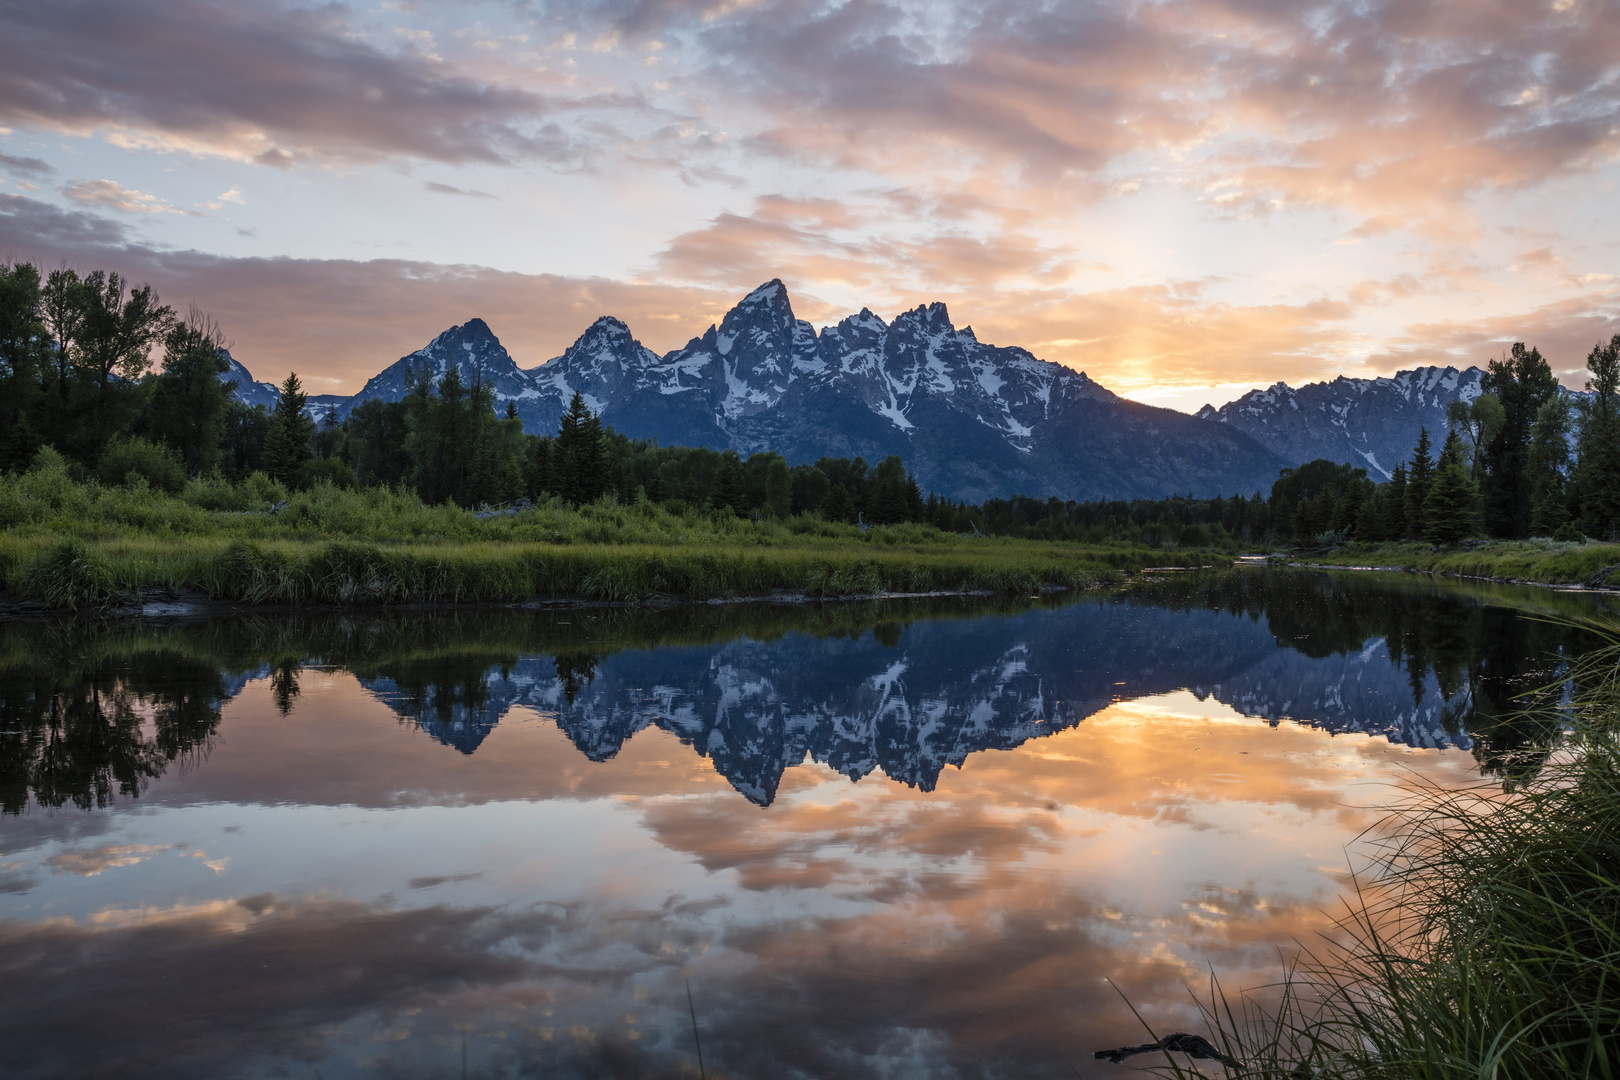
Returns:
point(1479, 421)
point(1548, 466)
point(1418, 477)
point(22, 360)
point(117, 327)
point(61, 308)
point(189, 404)
point(1393, 519)
point(1304, 499)
point(886, 496)
point(1448, 512)
point(287, 443)
point(578, 462)
point(728, 484)
point(1598, 473)
point(778, 487)
point(839, 506)
point(1522, 383)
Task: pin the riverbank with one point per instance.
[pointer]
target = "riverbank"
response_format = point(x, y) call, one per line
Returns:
point(1518, 562)
point(71, 545)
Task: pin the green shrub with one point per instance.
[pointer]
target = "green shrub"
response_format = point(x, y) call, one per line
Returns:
point(126, 459)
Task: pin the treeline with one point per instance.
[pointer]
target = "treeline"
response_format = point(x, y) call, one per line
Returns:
point(1523, 459)
point(128, 391)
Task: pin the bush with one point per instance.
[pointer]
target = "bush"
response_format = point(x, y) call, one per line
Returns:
point(128, 458)
point(1569, 534)
point(69, 575)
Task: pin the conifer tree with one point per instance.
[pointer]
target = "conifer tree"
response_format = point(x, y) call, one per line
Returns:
point(578, 462)
point(839, 506)
point(1418, 477)
point(1448, 512)
point(287, 445)
point(1393, 520)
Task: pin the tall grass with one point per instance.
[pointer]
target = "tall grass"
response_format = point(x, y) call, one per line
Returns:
point(1484, 936)
point(254, 542)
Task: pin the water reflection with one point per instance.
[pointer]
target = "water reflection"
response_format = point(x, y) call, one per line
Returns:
point(91, 711)
point(333, 846)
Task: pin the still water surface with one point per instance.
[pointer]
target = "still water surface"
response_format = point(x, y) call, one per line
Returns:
point(875, 839)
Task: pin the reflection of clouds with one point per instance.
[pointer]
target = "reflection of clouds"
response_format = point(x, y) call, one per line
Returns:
point(96, 860)
point(1008, 981)
point(851, 930)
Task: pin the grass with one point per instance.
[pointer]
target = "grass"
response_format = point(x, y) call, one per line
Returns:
point(1484, 936)
point(1546, 562)
point(73, 545)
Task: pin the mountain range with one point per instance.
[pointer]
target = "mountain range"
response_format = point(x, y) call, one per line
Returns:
point(971, 420)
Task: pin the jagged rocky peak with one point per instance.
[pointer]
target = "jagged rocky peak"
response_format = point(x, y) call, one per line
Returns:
point(932, 319)
point(608, 340)
point(762, 324)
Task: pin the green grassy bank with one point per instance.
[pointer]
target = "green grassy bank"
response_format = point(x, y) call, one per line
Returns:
point(72, 544)
point(1546, 562)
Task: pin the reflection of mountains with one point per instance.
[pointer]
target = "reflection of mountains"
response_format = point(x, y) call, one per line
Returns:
point(911, 702)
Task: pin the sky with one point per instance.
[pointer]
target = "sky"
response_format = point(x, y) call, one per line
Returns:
point(1184, 199)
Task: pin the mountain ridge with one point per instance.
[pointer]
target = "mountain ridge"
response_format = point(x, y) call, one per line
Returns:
point(972, 420)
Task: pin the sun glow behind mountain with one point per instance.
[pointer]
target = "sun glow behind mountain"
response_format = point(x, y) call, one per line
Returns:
point(1182, 199)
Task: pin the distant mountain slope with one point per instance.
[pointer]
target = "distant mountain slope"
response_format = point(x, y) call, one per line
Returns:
point(247, 388)
point(972, 420)
point(1372, 423)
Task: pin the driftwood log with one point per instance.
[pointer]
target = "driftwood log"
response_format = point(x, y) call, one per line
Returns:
point(1195, 1046)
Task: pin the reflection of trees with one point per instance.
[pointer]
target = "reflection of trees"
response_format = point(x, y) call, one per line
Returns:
point(1498, 669)
point(575, 671)
point(85, 736)
point(90, 710)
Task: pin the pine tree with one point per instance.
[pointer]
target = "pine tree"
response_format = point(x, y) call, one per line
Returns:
point(839, 506)
point(1393, 521)
point(577, 457)
point(287, 445)
point(1448, 512)
point(1418, 477)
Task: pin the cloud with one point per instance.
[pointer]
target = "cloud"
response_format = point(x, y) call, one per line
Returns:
point(26, 167)
point(404, 304)
point(115, 196)
point(446, 189)
point(1565, 331)
point(254, 81)
point(1395, 111)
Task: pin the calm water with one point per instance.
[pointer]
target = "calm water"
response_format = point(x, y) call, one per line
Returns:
point(876, 840)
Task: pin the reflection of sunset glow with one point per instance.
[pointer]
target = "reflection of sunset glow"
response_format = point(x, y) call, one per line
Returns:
point(556, 907)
